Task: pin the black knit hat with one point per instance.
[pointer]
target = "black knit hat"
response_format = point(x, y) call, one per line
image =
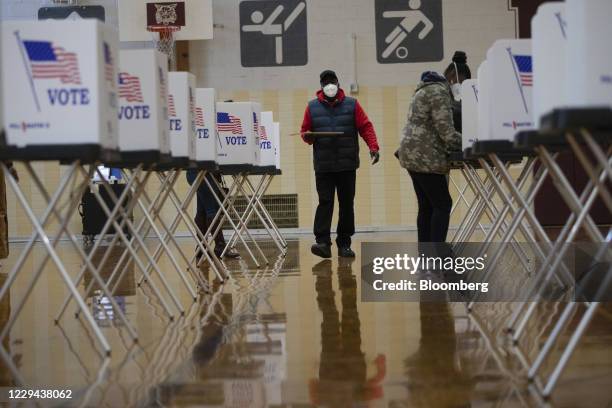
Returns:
point(328, 73)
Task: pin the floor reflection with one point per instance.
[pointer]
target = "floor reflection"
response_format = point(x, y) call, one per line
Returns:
point(343, 380)
point(293, 333)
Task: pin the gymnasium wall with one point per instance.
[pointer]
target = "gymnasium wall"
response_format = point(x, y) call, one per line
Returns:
point(384, 192)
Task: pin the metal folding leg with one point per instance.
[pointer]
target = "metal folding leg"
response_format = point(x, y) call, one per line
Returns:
point(50, 248)
point(255, 206)
point(181, 207)
point(120, 235)
point(580, 209)
point(152, 209)
point(461, 192)
point(226, 204)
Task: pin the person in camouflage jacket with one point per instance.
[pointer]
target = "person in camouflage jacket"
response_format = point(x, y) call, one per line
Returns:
point(429, 134)
point(429, 137)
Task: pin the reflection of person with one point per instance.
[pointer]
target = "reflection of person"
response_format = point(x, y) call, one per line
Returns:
point(336, 159)
point(410, 20)
point(429, 137)
point(4, 242)
point(342, 371)
point(433, 367)
point(207, 208)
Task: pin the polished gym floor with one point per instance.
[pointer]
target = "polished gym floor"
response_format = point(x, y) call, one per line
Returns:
point(294, 334)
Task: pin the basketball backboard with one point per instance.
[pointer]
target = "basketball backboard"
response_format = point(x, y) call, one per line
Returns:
point(136, 15)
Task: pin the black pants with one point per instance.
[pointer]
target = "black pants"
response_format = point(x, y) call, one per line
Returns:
point(328, 184)
point(435, 204)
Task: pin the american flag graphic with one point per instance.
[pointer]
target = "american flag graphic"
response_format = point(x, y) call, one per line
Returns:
point(255, 124)
point(263, 135)
point(229, 123)
point(171, 108)
point(129, 88)
point(199, 117)
point(49, 61)
point(109, 70)
point(525, 70)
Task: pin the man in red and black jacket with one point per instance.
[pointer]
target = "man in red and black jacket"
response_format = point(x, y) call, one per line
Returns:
point(336, 159)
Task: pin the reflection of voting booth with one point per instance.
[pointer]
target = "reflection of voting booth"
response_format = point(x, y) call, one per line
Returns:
point(181, 101)
point(239, 140)
point(63, 112)
point(469, 113)
point(266, 143)
point(143, 117)
point(207, 138)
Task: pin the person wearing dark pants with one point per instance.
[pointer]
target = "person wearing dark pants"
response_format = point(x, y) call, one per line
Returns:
point(328, 184)
point(435, 205)
point(429, 137)
point(207, 208)
point(336, 160)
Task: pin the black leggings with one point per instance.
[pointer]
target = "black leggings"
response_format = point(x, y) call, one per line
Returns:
point(435, 205)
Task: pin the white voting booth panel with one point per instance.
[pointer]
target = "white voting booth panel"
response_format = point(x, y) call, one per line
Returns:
point(60, 85)
point(469, 113)
point(266, 142)
point(277, 147)
point(181, 105)
point(236, 122)
point(207, 138)
point(510, 85)
point(483, 102)
point(549, 42)
point(143, 113)
point(588, 57)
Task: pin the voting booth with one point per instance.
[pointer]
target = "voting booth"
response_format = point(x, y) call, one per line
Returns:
point(238, 127)
point(143, 112)
point(469, 113)
point(207, 139)
point(588, 59)
point(549, 42)
point(60, 86)
point(510, 83)
point(276, 141)
point(181, 105)
point(483, 101)
point(266, 143)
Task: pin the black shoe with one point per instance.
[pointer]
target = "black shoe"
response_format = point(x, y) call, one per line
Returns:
point(346, 252)
point(322, 250)
point(231, 253)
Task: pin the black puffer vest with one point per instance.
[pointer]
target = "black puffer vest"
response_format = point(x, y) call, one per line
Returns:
point(334, 153)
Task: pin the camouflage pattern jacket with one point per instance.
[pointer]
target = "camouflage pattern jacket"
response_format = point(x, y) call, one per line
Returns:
point(429, 134)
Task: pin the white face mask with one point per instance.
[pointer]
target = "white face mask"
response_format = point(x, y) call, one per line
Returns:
point(456, 89)
point(330, 90)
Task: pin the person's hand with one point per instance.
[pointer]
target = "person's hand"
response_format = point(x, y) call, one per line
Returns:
point(308, 138)
point(375, 156)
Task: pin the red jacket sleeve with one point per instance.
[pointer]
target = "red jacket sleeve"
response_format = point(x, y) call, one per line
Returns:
point(365, 128)
point(306, 126)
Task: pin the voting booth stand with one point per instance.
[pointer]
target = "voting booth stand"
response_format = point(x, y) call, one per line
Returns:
point(61, 113)
point(256, 190)
point(556, 110)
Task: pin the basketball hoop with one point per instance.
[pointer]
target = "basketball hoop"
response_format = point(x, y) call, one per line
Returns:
point(165, 40)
